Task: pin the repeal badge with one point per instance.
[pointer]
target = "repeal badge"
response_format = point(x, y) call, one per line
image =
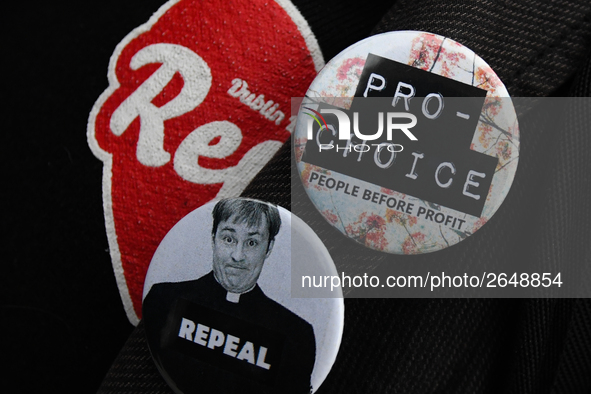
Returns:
point(407, 142)
point(218, 309)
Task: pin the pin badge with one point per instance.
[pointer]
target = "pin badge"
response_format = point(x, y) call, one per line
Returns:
point(217, 308)
point(407, 142)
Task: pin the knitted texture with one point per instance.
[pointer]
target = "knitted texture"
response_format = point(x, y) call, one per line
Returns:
point(134, 371)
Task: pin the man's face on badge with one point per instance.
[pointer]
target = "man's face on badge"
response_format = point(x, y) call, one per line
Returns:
point(239, 252)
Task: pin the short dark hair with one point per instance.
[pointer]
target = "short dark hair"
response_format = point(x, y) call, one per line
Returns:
point(249, 211)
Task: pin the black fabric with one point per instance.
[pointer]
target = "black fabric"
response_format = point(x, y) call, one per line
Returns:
point(480, 345)
point(62, 321)
point(533, 46)
point(61, 318)
point(340, 23)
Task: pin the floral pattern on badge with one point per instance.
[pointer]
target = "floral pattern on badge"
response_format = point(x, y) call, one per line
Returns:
point(387, 220)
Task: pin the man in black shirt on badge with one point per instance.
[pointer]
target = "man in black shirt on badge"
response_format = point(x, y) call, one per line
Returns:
point(221, 333)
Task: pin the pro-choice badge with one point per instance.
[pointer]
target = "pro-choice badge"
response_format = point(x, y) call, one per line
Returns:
point(217, 305)
point(407, 142)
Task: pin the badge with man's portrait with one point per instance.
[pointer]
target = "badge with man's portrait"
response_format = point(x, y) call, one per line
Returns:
point(217, 303)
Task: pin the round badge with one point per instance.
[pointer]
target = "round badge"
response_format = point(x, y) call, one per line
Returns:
point(217, 305)
point(407, 142)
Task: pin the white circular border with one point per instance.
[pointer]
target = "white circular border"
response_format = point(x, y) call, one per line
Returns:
point(189, 241)
point(336, 85)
